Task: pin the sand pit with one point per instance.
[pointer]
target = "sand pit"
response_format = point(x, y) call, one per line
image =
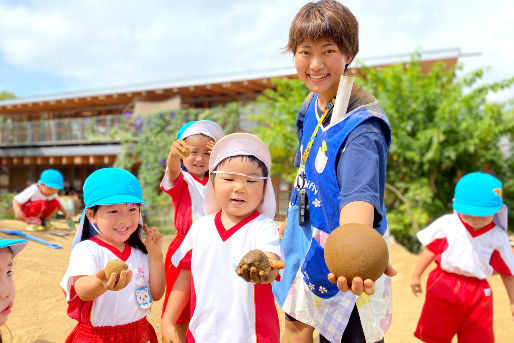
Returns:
point(39, 313)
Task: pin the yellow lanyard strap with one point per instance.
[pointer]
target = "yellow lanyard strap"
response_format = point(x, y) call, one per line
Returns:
point(305, 154)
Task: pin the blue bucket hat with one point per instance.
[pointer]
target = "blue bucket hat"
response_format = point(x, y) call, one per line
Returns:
point(478, 194)
point(51, 178)
point(16, 245)
point(109, 186)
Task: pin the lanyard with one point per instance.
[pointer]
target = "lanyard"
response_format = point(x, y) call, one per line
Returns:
point(305, 154)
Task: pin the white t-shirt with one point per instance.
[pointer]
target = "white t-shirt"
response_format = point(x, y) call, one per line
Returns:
point(467, 252)
point(113, 307)
point(226, 307)
point(33, 193)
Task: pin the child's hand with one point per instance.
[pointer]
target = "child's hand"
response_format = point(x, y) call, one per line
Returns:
point(153, 241)
point(258, 268)
point(19, 215)
point(415, 286)
point(169, 333)
point(210, 146)
point(179, 148)
point(111, 284)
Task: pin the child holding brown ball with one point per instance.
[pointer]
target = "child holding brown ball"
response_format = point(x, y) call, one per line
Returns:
point(185, 181)
point(467, 246)
point(114, 308)
point(233, 252)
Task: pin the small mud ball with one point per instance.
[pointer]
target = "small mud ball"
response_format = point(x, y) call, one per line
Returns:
point(115, 266)
point(354, 250)
point(256, 258)
point(186, 152)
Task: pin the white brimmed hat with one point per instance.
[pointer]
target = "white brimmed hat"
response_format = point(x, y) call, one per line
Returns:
point(241, 144)
point(16, 245)
point(201, 127)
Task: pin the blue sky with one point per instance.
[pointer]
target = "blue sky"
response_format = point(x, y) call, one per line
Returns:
point(52, 47)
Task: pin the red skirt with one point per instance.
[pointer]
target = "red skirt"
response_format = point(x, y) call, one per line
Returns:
point(140, 331)
point(171, 276)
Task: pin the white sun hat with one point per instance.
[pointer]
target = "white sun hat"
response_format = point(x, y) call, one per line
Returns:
point(241, 144)
point(16, 245)
point(201, 127)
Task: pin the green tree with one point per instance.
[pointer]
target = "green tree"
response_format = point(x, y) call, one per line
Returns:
point(275, 117)
point(6, 95)
point(442, 127)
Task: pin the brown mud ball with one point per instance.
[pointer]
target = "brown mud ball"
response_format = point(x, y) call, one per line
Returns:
point(252, 264)
point(354, 250)
point(186, 152)
point(115, 266)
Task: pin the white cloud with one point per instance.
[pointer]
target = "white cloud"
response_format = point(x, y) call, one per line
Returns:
point(109, 43)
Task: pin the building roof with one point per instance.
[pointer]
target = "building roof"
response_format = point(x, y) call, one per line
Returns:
point(198, 92)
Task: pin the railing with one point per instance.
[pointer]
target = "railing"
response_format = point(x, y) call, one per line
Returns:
point(57, 131)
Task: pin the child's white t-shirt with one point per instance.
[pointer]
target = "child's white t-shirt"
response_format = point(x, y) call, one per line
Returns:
point(33, 193)
point(113, 307)
point(463, 251)
point(226, 307)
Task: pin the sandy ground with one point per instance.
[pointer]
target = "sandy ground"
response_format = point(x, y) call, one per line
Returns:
point(39, 314)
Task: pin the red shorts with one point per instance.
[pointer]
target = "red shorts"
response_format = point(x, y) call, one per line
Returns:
point(40, 208)
point(171, 276)
point(140, 331)
point(456, 304)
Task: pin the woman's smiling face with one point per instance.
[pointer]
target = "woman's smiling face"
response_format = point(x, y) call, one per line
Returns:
point(320, 65)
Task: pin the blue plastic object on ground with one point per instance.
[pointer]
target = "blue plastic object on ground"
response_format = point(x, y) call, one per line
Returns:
point(34, 238)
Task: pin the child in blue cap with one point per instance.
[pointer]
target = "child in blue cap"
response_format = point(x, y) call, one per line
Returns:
point(111, 227)
point(185, 181)
point(467, 246)
point(8, 249)
point(38, 203)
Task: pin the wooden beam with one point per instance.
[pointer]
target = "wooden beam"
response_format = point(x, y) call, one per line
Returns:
point(41, 160)
point(238, 87)
point(29, 160)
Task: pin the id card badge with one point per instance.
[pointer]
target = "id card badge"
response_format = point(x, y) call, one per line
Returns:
point(142, 291)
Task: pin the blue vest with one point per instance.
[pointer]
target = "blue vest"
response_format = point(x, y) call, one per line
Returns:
point(301, 249)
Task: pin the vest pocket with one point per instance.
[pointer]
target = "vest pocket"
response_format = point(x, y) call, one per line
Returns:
point(315, 272)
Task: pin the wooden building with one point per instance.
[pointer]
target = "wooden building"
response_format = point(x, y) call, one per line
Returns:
point(54, 131)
